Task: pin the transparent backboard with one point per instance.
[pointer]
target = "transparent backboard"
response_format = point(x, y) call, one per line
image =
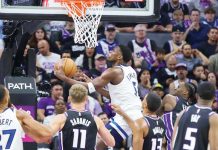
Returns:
point(114, 10)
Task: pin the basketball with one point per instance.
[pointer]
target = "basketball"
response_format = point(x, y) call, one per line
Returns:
point(69, 67)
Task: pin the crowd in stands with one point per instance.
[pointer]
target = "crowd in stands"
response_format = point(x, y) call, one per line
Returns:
point(189, 56)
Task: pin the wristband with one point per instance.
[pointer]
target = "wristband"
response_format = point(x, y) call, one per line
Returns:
point(91, 88)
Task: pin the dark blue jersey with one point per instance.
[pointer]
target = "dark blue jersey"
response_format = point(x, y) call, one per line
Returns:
point(79, 131)
point(156, 133)
point(193, 129)
point(170, 118)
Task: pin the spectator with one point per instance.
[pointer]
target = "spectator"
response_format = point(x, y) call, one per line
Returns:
point(66, 54)
point(39, 34)
point(178, 19)
point(198, 73)
point(142, 47)
point(109, 43)
point(60, 107)
point(192, 57)
point(208, 47)
point(87, 59)
point(158, 64)
point(2, 45)
point(67, 32)
point(144, 86)
point(100, 65)
point(213, 63)
point(168, 8)
point(45, 106)
point(212, 78)
point(168, 74)
point(202, 5)
point(182, 72)
point(103, 116)
point(210, 18)
point(158, 89)
point(46, 59)
point(196, 32)
point(176, 43)
point(93, 106)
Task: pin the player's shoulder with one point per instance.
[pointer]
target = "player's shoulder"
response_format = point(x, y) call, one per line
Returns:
point(112, 71)
point(213, 118)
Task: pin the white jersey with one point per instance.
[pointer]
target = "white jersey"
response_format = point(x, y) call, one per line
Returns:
point(125, 94)
point(11, 132)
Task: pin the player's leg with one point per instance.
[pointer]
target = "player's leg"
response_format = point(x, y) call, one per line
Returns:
point(118, 133)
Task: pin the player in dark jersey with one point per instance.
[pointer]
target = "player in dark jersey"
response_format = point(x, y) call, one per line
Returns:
point(173, 105)
point(149, 134)
point(78, 127)
point(196, 128)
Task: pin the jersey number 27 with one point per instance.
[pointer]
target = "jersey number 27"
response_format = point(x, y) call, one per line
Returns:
point(9, 134)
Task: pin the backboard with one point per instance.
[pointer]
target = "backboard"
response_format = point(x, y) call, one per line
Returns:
point(115, 10)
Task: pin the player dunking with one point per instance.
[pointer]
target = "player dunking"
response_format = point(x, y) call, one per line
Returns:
point(122, 84)
point(196, 128)
point(151, 131)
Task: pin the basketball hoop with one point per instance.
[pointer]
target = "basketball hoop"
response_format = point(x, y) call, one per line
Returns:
point(86, 15)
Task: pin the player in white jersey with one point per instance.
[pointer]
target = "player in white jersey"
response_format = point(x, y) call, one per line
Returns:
point(12, 123)
point(123, 90)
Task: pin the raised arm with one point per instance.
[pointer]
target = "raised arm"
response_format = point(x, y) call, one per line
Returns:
point(98, 83)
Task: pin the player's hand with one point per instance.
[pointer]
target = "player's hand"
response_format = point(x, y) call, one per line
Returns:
point(58, 70)
point(85, 78)
point(117, 109)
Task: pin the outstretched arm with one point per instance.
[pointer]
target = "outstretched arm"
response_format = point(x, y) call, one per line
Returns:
point(99, 82)
point(34, 129)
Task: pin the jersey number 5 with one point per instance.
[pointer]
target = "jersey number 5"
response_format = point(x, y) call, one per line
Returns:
point(76, 133)
point(191, 138)
point(10, 134)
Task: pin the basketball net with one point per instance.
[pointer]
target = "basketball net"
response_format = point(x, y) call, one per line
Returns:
point(86, 15)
